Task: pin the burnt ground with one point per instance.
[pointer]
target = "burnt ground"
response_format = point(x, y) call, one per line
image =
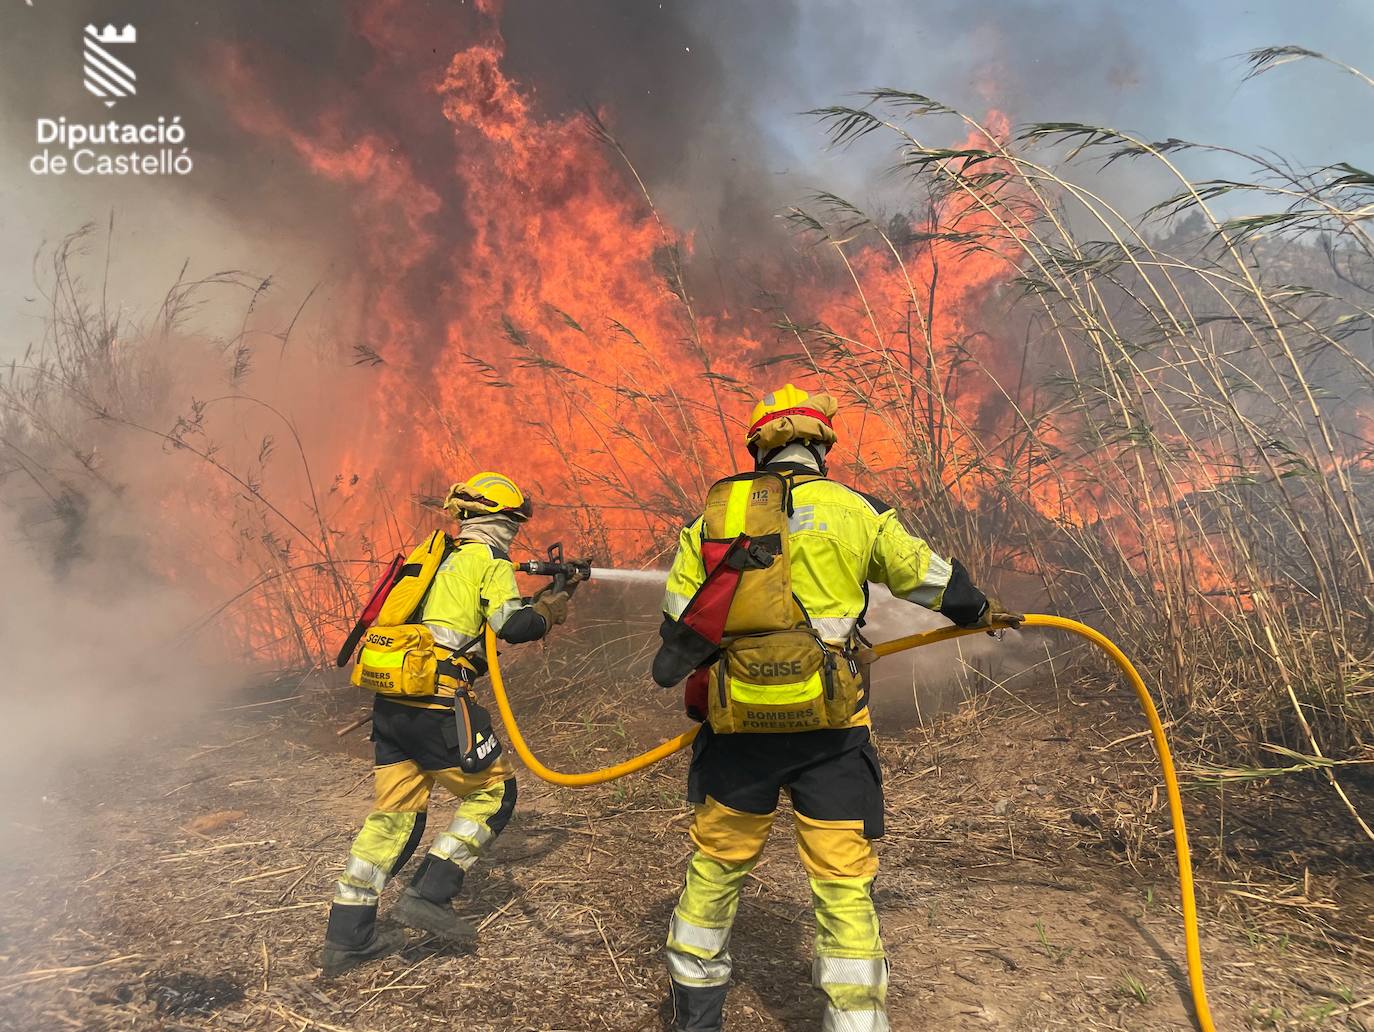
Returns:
point(1027, 884)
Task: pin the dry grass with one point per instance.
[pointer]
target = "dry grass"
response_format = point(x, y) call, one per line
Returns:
point(1196, 475)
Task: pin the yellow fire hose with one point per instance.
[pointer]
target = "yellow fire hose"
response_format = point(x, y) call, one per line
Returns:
point(887, 648)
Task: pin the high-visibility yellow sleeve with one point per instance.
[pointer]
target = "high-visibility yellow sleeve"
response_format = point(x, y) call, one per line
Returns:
point(500, 594)
point(688, 571)
point(453, 608)
point(906, 564)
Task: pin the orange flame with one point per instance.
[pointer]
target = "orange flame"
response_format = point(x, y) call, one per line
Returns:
point(529, 308)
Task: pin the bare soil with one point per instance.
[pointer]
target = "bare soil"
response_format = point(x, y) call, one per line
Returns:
point(1027, 884)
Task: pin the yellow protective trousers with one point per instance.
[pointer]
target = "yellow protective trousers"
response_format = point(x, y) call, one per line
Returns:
point(415, 749)
point(823, 776)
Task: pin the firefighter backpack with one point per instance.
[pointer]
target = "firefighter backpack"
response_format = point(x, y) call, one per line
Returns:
point(771, 672)
point(398, 654)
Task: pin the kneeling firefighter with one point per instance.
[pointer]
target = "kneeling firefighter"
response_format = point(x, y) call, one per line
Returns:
point(762, 615)
point(419, 657)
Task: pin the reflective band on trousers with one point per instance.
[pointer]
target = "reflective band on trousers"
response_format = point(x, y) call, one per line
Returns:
point(707, 941)
point(462, 842)
point(854, 1021)
point(465, 827)
point(686, 969)
point(360, 884)
point(353, 896)
point(364, 873)
point(871, 971)
point(447, 847)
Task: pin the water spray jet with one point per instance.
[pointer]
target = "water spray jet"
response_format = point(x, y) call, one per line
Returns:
point(631, 576)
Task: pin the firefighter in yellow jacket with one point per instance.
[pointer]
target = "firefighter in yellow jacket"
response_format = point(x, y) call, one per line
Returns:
point(417, 739)
point(836, 540)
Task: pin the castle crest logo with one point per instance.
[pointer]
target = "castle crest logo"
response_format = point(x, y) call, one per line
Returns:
point(108, 77)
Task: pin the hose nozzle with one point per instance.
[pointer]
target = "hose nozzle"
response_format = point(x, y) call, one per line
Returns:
point(560, 569)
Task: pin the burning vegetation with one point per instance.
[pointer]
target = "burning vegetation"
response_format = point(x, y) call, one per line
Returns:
point(1160, 424)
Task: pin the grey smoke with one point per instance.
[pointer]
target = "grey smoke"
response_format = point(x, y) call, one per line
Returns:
point(96, 663)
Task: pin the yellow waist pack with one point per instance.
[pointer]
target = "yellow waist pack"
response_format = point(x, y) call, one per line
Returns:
point(783, 681)
point(398, 660)
point(403, 660)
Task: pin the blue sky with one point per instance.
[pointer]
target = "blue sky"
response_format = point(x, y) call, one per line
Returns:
point(1163, 68)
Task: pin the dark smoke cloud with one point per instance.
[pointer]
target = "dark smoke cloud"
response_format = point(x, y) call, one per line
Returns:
point(706, 96)
point(668, 76)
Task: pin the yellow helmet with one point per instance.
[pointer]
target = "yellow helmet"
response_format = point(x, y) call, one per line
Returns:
point(486, 493)
point(790, 414)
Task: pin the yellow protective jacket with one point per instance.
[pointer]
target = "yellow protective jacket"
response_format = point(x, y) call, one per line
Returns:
point(473, 587)
point(840, 539)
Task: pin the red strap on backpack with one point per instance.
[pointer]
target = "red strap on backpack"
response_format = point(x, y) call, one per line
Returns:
point(694, 697)
point(709, 608)
point(707, 612)
point(370, 611)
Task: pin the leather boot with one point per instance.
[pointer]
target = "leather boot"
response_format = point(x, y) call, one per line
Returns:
point(423, 915)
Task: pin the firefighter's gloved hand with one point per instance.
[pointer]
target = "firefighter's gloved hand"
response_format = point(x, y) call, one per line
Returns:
point(574, 579)
point(553, 608)
point(997, 615)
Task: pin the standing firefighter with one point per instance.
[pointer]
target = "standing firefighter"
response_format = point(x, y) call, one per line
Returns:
point(428, 728)
point(763, 606)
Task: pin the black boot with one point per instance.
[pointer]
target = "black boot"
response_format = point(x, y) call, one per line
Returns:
point(699, 1008)
point(437, 880)
point(336, 959)
point(424, 915)
point(352, 938)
